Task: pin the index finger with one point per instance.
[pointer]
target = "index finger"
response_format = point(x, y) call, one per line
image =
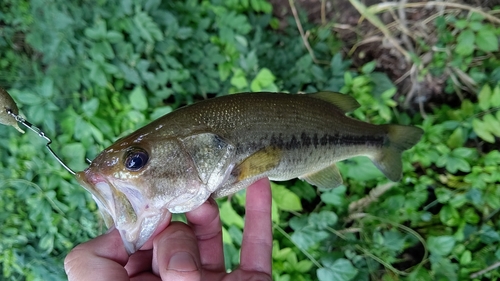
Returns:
point(102, 258)
point(257, 244)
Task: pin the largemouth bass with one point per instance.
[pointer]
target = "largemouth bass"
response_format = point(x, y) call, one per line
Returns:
point(7, 104)
point(219, 146)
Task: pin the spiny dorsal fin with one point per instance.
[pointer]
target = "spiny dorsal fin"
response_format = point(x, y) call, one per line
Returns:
point(343, 102)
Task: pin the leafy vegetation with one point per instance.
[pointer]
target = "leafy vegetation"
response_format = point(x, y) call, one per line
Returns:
point(88, 73)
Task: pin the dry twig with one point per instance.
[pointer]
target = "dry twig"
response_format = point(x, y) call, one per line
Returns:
point(483, 271)
point(302, 34)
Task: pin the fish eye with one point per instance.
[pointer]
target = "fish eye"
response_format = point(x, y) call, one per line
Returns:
point(136, 159)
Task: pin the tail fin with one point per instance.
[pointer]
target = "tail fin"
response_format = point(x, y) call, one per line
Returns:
point(388, 158)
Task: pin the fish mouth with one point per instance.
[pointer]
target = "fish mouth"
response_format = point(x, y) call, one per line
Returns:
point(123, 206)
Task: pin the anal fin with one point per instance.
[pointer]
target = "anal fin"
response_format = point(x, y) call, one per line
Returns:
point(327, 178)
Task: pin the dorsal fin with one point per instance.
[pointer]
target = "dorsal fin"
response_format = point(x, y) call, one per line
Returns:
point(343, 102)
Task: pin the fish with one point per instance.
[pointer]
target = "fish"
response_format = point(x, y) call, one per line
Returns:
point(7, 105)
point(219, 146)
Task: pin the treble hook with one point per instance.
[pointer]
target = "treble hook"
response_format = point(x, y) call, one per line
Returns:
point(42, 135)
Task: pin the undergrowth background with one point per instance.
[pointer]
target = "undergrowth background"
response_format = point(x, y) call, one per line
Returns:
point(88, 72)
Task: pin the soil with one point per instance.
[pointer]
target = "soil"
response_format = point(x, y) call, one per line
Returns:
point(375, 46)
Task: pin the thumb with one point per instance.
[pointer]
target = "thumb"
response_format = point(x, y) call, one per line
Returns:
point(176, 255)
point(102, 258)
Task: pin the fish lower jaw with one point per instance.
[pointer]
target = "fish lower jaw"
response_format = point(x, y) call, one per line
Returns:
point(135, 235)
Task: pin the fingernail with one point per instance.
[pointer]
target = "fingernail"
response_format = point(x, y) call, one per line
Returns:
point(182, 261)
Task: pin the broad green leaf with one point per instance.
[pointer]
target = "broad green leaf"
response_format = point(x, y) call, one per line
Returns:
point(465, 43)
point(489, 235)
point(487, 40)
point(335, 197)
point(47, 88)
point(394, 240)
point(463, 152)
point(74, 156)
point(492, 124)
point(264, 81)
point(340, 270)
point(482, 130)
point(229, 216)
point(160, 111)
point(492, 158)
point(495, 97)
point(449, 216)
point(29, 98)
point(485, 97)
point(323, 219)
point(440, 245)
point(369, 67)
point(308, 236)
point(138, 99)
point(457, 138)
point(47, 242)
point(285, 199)
point(90, 107)
point(148, 29)
point(303, 266)
point(466, 257)
point(239, 80)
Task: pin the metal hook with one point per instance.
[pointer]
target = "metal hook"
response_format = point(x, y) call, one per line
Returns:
point(42, 135)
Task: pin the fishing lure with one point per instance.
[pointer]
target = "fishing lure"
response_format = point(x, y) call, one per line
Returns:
point(9, 115)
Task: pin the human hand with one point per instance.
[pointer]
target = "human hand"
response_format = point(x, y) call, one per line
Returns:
point(181, 251)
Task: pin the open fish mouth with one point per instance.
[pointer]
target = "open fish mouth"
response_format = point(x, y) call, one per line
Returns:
point(124, 207)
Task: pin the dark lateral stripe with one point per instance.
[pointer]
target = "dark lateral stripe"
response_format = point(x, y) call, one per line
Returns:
point(306, 140)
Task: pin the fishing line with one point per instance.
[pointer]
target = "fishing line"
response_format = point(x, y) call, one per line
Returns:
point(42, 135)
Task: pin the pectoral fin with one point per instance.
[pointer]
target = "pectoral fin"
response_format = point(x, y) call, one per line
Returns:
point(212, 156)
point(259, 163)
point(327, 178)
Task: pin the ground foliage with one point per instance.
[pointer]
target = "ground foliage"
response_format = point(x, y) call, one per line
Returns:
point(89, 72)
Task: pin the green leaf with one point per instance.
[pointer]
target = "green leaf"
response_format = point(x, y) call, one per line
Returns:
point(492, 124)
point(148, 29)
point(340, 270)
point(263, 81)
point(323, 219)
point(47, 242)
point(74, 155)
point(335, 197)
point(495, 97)
point(449, 216)
point(457, 138)
point(160, 111)
point(285, 199)
point(138, 99)
point(369, 67)
point(465, 43)
point(29, 98)
point(489, 235)
point(90, 107)
point(485, 97)
point(229, 216)
point(440, 245)
point(482, 130)
point(239, 80)
point(487, 40)
point(466, 257)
